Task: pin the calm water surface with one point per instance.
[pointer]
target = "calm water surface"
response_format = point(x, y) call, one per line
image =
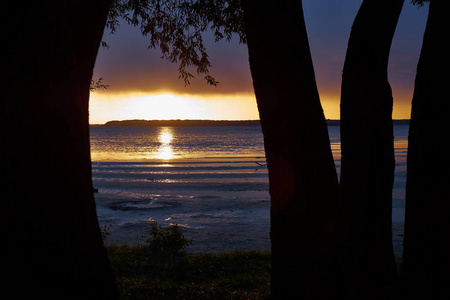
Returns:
point(206, 179)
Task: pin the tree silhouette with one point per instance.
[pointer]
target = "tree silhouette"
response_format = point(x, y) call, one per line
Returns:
point(302, 176)
point(367, 143)
point(425, 259)
point(52, 233)
point(53, 241)
point(176, 27)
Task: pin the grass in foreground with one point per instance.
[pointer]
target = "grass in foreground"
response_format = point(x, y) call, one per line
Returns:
point(162, 269)
point(236, 275)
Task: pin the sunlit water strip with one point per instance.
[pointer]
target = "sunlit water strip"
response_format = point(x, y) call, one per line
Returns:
point(212, 181)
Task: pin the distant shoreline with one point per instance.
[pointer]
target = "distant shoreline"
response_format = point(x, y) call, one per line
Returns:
point(181, 123)
point(204, 123)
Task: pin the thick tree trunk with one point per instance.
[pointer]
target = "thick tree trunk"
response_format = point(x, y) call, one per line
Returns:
point(367, 142)
point(425, 271)
point(53, 241)
point(302, 175)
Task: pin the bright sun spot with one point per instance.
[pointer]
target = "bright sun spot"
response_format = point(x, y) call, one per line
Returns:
point(107, 106)
point(162, 107)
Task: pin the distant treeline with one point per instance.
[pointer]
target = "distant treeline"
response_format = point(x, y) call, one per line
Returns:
point(185, 123)
point(192, 123)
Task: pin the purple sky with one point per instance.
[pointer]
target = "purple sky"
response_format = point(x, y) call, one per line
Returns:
point(128, 66)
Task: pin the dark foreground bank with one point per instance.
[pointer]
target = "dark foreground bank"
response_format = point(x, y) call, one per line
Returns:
point(232, 275)
point(236, 275)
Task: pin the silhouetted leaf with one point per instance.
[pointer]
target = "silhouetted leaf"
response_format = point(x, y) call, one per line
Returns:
point(176, 27)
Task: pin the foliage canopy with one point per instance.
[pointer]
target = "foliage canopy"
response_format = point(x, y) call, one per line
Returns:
point(177, 27)
point(98, 85)
point(419, 2)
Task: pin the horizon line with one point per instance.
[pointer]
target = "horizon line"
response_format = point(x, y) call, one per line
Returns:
point(203, 120)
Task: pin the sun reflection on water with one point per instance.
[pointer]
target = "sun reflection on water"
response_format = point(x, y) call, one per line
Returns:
point(165, 137)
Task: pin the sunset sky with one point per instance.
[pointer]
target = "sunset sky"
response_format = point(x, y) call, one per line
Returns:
point(144, 86)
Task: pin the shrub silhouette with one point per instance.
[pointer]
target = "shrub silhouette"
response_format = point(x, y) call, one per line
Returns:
point(168, 243)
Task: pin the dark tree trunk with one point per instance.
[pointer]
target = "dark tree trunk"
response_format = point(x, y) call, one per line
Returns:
point(426, 263)
point(367, 142)
point(302, 175)
point(53, 244)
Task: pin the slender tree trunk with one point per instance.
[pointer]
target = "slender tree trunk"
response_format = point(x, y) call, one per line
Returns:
point(425, 271)
point(54, 246)
point(302, 175)
point(367, 143)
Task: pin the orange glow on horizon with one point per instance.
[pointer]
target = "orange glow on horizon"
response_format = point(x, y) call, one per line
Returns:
point(167, 106)
point(107, 106)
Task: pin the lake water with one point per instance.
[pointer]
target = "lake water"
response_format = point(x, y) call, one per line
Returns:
point(206, 179)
